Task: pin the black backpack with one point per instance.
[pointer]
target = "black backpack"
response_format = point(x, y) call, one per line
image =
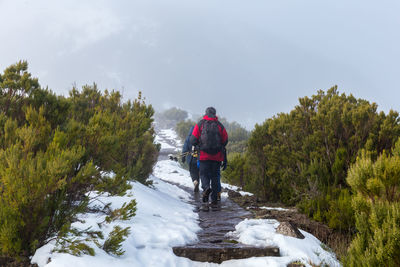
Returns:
point(210, 136)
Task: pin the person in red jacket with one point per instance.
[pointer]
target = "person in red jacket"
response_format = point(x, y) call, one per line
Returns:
point(210, 135)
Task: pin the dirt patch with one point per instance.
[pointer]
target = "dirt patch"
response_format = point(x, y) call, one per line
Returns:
point(9, 262)
point(335, 240)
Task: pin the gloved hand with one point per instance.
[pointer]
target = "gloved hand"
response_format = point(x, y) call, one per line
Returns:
point(224, 164)
point(183, 159)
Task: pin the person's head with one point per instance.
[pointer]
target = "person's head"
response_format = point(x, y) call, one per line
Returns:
point(211, 112)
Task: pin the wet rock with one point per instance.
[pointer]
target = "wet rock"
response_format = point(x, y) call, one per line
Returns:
point(220, 254)
point(289, 229)
point(233, 194)
point(296, 264)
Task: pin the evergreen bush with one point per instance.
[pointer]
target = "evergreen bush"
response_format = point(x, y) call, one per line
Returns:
point(376, 202)
point(54, 151)
point(302, 157)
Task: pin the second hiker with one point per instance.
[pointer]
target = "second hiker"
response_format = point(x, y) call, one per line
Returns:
point(211, 137)
point(191, 159)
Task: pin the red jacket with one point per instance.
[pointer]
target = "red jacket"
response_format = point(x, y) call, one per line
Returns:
point(224, 139)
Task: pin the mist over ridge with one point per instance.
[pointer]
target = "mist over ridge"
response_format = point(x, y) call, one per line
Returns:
point(249, 60)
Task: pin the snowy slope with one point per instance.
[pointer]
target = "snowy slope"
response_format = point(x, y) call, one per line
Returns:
point(164, 219)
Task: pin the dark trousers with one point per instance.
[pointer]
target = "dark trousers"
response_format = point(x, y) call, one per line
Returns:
point(194, 170)
point(209, 174)
point(219, 181)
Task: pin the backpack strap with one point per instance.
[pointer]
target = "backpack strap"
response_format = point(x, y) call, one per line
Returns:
point(222, 126)
point(200, 124)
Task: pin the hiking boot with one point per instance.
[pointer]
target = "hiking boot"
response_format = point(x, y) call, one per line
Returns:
point(206, 194)
point(219, 196)
point(214, 206)
point(196, 186)
point(204, 207)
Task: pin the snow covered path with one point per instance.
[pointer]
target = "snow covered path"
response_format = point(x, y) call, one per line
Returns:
point(165, 219)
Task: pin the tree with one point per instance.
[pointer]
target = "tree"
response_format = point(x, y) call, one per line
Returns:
point(16, 85)
point(170, 117)
point(175, 114)
point(182, 128)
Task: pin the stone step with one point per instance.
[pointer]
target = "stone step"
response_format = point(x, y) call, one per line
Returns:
point(220, 254)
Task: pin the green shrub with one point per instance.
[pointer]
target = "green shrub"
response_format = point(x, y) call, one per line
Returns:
point(38, 178)
point(376, 202)
point(170, 117)
point(182, 128)
point(54, 150)
point(235, 170)
point(175, 114)
point(302, 157)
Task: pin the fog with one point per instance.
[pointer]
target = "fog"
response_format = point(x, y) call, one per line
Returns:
point(248, 59)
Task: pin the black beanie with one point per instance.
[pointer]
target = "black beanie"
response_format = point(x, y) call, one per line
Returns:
point(211, 112)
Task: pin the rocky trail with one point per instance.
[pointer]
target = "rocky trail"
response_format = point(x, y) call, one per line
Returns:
point(213, 243)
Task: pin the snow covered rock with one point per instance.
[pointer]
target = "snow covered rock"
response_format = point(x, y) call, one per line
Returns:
point(289, 229)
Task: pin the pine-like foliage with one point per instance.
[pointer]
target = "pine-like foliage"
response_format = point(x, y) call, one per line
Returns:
point(54, 151)
point(113, 244)
point(119, 136)
point(16, 85)
point(37, 174)
point(376, 201)
point(302, 157)
point(236, 170)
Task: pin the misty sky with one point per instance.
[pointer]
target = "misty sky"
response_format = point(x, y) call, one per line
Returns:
point(251, 59)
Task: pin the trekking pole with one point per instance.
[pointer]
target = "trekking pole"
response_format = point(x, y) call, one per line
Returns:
point(175, 157)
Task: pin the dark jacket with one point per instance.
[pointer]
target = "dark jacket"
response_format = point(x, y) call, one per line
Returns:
point(194, 139)
point(187, 146)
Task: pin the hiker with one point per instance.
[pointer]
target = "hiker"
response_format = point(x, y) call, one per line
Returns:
point(223, 167)
point(211, 137)
point(189, 157)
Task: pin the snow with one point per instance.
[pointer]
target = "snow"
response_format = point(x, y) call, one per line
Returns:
point(230, 187)
point(243, 193)
point(269, 208)
point(165, 219)
point(170, 134)
point(163, 143)
point(171, 171)
point(236, 188)
point(261, 233)
point(162, 221)
point(166, 137)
